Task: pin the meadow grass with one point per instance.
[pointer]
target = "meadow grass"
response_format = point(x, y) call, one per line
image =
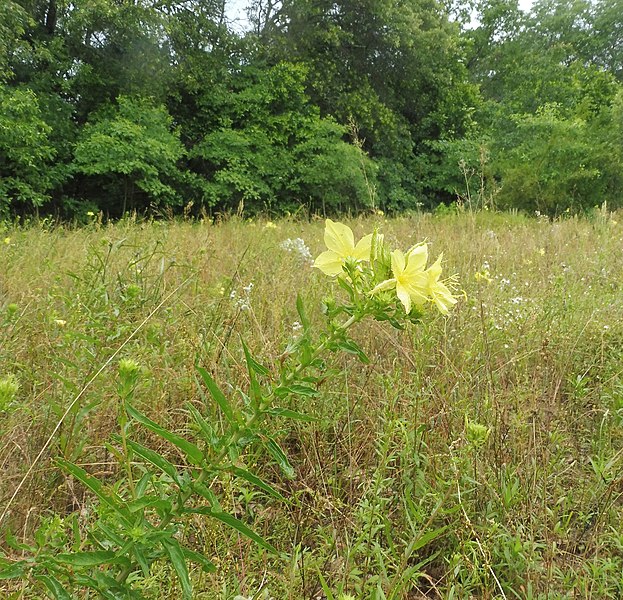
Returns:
point(476, 456)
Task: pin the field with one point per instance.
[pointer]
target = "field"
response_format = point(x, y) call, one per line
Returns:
point(478, 455)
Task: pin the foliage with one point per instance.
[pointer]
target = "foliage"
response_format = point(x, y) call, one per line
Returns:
point(317, 106)
point(131, 146)
point(25, 152)
point(274, 151)
point(553, 165)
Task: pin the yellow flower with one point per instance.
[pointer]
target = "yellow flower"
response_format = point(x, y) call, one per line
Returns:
point(410, 279)
point(7, 240)
point(270, 225)
point(60, 322)
point(441, 296)
point(414, 284)
point(340, 242)
point(542, 251)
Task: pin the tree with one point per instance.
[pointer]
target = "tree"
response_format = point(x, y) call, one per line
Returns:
point(394, 68)
point(25, 153)
point(273, 151)
point(130, 154)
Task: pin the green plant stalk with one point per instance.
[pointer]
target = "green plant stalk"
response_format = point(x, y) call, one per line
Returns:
point(235, 436)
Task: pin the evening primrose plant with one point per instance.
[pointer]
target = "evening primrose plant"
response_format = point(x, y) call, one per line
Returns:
point(139, 518)
point(370, 262)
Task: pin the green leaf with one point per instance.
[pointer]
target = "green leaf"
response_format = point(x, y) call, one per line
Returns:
point(13, 570)
point(217, 395)
point(107, 587)
point(112, 536)
point(325, 587)
point(155, 459)
point(291, 414)
point(54, 587)
point(208, 494)
point(208, 431)
point(207, 565)
point(150, 501)
point(279, 455)
point(253, 479)
point(234, 523)
point(296, 389)
point(144, 481)
point(252, 368)
point(95, 485)
point(425, 539)
point(191, 451)
point(87, 559)
point(300, 309)
point(252, 364)
point(178, 560)
point(141, 560)
point(353, 348)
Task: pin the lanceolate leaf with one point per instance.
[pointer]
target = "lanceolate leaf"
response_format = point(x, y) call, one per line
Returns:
point(242, 473)
point(290, 414)
point(155, 459)
point(54, 587)
point(12, 571)
point(279, 455)
point(296, 389)
point(149, 501)
point(234, 523)
point(352, 347)
point(253, 367)
point(300, 309)
point(252, 364)
point(217, 395)
point(207, 565)
point(87, 559)
point(206, 428)
point(178, 560)
point(191, 451)
point(95, 485)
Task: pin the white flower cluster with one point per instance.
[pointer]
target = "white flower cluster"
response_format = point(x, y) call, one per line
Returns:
point(242, 301)
point(299, 247)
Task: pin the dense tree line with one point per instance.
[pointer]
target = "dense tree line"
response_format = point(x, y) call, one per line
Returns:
point(156, 105)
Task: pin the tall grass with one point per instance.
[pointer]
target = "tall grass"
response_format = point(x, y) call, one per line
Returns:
point(478, 455)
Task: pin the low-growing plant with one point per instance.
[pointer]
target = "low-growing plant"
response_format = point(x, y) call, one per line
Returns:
point(136, 519)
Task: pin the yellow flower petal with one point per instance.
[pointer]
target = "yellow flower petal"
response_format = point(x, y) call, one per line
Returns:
point(398, 262)
point(339, 238)
point(363, 248)
point(329, 263)
point(417, 257)
point(442, 297)
point(403, 295)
